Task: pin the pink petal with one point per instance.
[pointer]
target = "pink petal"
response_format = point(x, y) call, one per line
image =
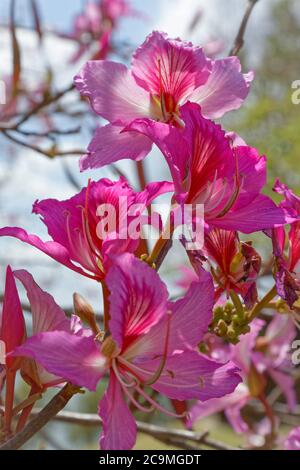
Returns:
point(292, 442)
point(262, 213)
point(76, 359)
point(54, 250)
point(138, 298)
point(192, 376)
point(110, 144)
point(112, 91)
point(119, 426)
point(188, 322)
point(171, 143)
point(170, 66)
point(225, 90)
point(192, 314)
point(287, 385)
point(215, 405)
point(46, 314)
point(12, 326)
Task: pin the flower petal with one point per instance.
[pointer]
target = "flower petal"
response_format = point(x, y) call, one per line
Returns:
point(191, 375)
point(71, 357)
point(112, 91)
point(119, 426)
point(262, 213)
point(54, 250)
point(170, 66)
point(46, 314)
point(138, 298)
point(225, 90)
point(12, 325)
point(110, 145)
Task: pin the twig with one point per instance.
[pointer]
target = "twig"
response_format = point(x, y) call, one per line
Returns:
point(239, 40)
point(57, 403)
point(179, 437)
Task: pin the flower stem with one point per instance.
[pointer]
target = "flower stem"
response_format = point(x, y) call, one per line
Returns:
point(237, 303)
point(264, 302)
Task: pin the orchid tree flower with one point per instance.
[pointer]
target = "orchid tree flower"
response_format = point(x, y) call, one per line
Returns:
point(73, 224)
point(292, 442)
point(46, 315)
point(151, 343)
point(259, 357)
point(208, 168)
point(235, 265)
point(287, 268)
point(164, 74)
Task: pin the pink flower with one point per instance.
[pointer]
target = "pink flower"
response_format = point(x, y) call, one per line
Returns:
point(165, 73)
point(292, 442)
point(72, 225)
point(258, 357)
point(208, 169)
point(150, 343)
point(287, 274)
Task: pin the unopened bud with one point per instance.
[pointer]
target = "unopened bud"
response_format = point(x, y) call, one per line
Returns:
point(85, 312)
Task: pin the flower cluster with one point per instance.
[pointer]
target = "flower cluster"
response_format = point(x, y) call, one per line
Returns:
point(207, 349)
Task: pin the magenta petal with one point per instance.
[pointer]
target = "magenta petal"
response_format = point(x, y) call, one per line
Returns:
point(138, 298)
point(286, 383)
point(226, 88)
point(119, 426)
point(12, 325)
point(170, 66)
point(215, 405)
point(192, 314)
point(192, 376)
point(171, 143)
point(262, 213)
point(292, 442)
point(109, 145)
point(112, 91)
point(46, 314)
point(50, 248)
point(73, 358)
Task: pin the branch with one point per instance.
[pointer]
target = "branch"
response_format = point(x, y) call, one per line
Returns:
point(178, 437)
point(239, 40)
point(57, 403)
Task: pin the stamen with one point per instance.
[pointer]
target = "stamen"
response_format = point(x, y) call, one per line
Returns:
point(120, 378)
point(162, 364)
point(158, 406)
point(140, 407)
point(238, 184)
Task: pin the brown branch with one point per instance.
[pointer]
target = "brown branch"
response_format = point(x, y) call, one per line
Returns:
point(239, 40)
point(49, 153)
point(57, 403)
point(179, 437)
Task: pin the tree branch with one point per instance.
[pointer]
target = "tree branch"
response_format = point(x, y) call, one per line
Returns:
point(57, 403)
point(239, 40)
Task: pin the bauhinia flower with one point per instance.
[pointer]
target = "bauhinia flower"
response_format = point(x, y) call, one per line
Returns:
point(258, 357)
point(233, 264)
point(287, 268)
point(151, 343)
point(74, 224)
point(210, 168)
point(46, 315)
point(164, 74)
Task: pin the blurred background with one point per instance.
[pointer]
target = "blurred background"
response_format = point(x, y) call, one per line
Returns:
point(268, 120)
